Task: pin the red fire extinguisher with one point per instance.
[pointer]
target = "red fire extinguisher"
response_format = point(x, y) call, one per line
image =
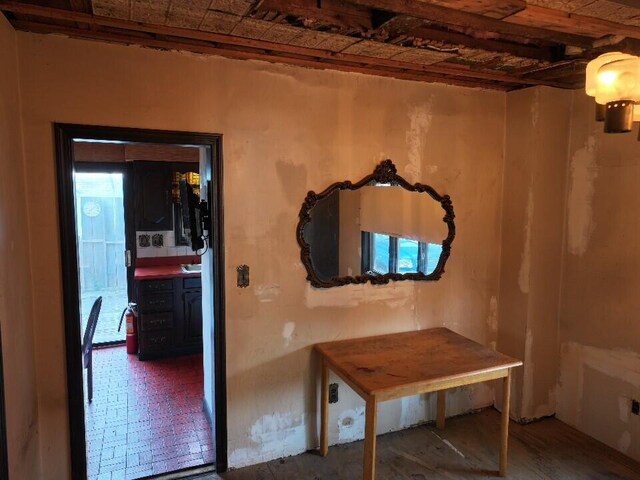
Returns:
point(130, 314)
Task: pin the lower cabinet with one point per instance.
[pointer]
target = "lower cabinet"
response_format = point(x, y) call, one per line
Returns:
point(192, 302)
point(169, 317)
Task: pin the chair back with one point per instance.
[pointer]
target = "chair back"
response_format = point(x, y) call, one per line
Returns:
point(91, 326)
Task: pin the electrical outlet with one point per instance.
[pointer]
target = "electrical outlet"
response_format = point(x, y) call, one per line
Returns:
point(333, 393)
point(635, 407)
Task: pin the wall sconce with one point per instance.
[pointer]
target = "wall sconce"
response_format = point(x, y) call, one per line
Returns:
point(614, 80)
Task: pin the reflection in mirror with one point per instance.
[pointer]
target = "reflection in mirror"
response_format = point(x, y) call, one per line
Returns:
point(375, 231)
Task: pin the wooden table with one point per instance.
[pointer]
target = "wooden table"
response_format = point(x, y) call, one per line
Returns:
point(398, 365)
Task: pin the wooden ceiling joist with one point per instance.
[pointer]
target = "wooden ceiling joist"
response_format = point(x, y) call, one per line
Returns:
point(443, 15)
point(230, 52)
point(567, 22)
point(454, 38)
point(224, 44)
point(497, 44)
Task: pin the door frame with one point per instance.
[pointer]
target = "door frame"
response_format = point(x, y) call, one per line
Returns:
point(4, 451)
point(129, 229)
point(64, 136)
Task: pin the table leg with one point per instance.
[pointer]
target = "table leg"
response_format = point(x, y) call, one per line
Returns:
point(504, 434)
point(324, 410)
point(442, 408)
point(371, 419)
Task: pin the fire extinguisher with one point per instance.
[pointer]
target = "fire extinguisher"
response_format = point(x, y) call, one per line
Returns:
point(130, 314)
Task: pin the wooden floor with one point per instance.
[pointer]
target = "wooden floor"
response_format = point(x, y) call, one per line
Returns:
point(466, 449)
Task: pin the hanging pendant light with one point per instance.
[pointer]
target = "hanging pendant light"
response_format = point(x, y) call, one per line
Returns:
point(618, 87)
point(591, 80)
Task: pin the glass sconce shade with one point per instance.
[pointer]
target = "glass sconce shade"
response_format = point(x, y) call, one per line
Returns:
point(594, 65)
point(619, 80)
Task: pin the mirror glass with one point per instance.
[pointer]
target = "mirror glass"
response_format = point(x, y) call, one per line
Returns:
point(375, 230)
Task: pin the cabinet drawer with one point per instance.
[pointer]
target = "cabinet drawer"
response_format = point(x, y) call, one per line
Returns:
point(150, 286)
point(189, 283)
point(156, 341)
point(156, 302)
point(156, 321)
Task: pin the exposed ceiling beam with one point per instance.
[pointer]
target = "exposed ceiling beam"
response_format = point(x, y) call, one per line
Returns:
point(81, 6)
point(231, 52)
point(455, 38)
point(488, 8)
point(132, 31)
point(534, 16)
point(435, 13)
point(627, 3)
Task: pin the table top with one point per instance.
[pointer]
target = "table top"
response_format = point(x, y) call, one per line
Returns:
point(424, 359)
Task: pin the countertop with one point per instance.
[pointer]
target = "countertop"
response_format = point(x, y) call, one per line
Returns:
point(162, 271)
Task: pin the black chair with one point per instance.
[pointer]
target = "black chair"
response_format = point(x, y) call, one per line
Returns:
point(87, 344)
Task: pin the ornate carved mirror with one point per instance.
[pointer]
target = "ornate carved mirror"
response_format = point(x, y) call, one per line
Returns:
point(379, 229)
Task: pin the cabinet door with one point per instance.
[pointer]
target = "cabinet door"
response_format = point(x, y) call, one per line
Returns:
point(154, 207)
point(192, 302)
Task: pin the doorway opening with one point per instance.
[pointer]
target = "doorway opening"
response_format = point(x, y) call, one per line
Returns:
point(102, 243)
point(141, 234)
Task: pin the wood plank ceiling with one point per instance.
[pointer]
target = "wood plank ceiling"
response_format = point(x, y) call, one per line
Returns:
point(495, 44)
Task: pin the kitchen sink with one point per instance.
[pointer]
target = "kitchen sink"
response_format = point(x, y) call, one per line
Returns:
point(191, 268)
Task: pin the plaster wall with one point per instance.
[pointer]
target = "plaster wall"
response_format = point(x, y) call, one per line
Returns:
point(286, 131)
point(599, 328)
point(537, 127)
point(16, 319)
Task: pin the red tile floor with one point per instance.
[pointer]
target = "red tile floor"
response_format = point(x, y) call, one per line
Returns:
point(146, 417)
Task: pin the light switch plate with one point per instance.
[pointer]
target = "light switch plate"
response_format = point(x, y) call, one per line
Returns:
point(243, 276)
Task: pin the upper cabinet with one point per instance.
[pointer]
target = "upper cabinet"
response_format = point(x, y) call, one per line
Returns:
point(153, 201)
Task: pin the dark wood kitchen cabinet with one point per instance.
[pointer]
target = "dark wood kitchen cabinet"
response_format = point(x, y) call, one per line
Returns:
point(153, 202)
point(192, 303)
point(169, 317)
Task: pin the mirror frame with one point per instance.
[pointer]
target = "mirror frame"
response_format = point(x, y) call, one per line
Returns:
point(385, 172)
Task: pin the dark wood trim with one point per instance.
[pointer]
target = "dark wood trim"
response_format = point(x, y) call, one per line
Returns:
point(64, 136)
point(393, 254)
point(216, 209)
point(4, 452)
point(70, 295)
point(385, 172)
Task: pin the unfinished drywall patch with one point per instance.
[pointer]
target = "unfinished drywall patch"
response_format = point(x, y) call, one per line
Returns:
point(624, 442)
point(267, 293)
point(525, 263)
point(528, 376)
point(393, 294)
point(351, 425)
point(595, 390)
point(287, 332)
point(415, 410)
point(535, 107)
point(419, 121)
point(584, 171)
point(272, 436)
point(492, 323)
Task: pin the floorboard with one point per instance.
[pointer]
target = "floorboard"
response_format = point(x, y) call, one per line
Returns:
point(467, 449)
